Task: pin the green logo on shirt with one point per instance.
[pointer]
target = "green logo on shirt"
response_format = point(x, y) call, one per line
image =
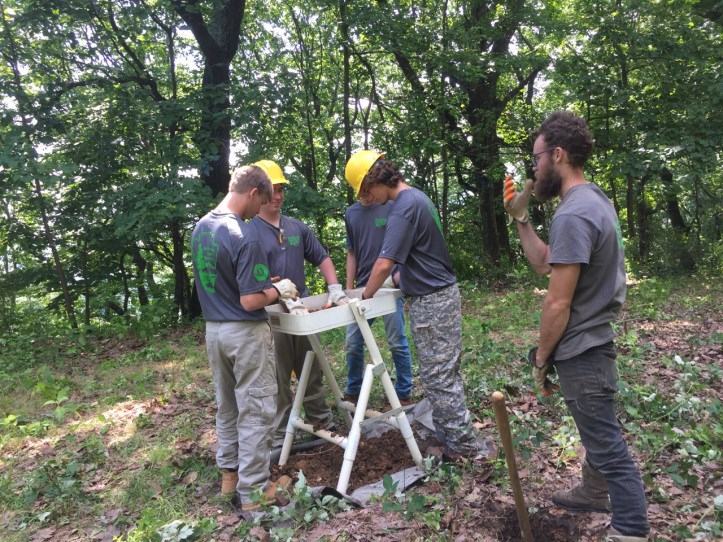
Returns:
point(261, 272)
point(380, 222)
point(205, 251)
point(619, 233)
point(433, 210)
point(294, 240)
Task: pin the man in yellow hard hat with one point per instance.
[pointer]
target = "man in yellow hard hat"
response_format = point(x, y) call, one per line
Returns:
point(366, 224)
point(288, 243)
point(414, 241)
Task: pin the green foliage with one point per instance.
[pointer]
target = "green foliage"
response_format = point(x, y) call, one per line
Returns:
point(101, 167)
point(151, 528)
point(303, 510)
point(59, 482)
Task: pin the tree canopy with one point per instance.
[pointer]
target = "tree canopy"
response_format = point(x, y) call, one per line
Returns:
point(121, 122)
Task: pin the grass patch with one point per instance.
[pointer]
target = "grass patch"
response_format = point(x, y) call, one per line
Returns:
point(116, 436)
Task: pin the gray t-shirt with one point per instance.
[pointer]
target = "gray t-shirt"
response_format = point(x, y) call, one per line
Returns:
point(414, 239)
point(287, 247)
point(586, 230)
point(365, 229)
point(228, 262)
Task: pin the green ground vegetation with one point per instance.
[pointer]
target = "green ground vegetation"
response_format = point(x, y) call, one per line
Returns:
point(115, 436)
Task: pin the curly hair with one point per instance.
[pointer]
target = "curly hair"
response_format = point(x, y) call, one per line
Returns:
point(382, 172)
point(567, 130)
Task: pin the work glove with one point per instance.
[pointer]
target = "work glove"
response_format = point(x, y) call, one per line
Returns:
point(337, 296)
point(516, 202)
point(295, 307)
point(389, 283)
point(539, 374)
point(286, 289)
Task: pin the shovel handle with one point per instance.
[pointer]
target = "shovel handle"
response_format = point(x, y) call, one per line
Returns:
point(503, 426)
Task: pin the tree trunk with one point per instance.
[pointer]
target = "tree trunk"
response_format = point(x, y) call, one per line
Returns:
point(67, 299)
point(181, 293)
point(671, 202)
point(218, 41)
point(86, 283)
point(630, 205)
point(23, 103)
point(445, 193)
point(344, 29)
point(642, 213)
point(140, 263)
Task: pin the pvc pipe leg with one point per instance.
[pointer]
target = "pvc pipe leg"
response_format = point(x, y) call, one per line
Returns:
point(355, 432)
point(329, 374)
point(296, 408)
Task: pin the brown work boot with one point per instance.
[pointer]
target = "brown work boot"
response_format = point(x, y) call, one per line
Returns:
point(351, 397)
point(615, 536)
point(271, 494)
point(229, 479)
point(590, 495)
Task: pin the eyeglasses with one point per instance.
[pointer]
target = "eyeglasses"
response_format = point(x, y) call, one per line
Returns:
point(535, 161)
point(281, 238)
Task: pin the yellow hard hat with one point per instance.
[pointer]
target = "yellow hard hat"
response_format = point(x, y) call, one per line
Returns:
point(358, 166)
point(273, 170)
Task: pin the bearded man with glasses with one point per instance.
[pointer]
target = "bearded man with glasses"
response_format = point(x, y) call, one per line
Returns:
point(586, 264)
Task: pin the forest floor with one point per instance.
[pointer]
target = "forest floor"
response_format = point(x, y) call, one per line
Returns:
point(114, 441)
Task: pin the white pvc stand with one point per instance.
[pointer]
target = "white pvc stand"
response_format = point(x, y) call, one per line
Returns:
point(377, 369)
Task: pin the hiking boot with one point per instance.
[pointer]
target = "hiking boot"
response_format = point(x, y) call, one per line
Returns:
point(615, 536)
point(229, 479)
point(590, 495)
point(486, 450)
point(269, 496)
point(351, 397)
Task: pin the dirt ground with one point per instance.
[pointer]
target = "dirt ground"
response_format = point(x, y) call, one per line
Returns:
point(479, 510)
point(375, 458)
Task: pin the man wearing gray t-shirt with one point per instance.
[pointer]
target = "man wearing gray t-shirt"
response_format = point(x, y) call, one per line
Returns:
point(234, 286)
point(366, 224)
point(586, 264)
point(288, 243)
point(414, 241)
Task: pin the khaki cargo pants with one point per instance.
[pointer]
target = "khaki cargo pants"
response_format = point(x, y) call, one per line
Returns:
point(241, 355)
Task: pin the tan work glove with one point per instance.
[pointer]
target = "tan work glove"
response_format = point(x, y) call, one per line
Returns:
point(337, 296)
point(516, 202)
point(539, 374)
point(295, 307)
point(286, 289)
point(389, 283)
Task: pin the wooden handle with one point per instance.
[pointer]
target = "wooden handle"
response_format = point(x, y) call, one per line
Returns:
point(503, 427)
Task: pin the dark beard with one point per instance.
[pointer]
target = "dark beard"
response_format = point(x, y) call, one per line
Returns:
point(549, 186)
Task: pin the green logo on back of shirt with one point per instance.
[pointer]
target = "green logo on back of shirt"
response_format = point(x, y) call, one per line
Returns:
point(294, 240)
point(380, 222)
point(619, 233)
point(433, 210)
point(261, 272)
point(205, 251)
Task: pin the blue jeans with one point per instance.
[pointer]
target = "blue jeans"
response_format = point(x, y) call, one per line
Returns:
point(589, 383)
point(398, 344)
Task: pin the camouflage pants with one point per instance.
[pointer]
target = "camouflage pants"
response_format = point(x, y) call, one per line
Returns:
point(436, 324)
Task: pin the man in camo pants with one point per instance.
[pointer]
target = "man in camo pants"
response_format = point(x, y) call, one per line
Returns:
point(414, 240)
